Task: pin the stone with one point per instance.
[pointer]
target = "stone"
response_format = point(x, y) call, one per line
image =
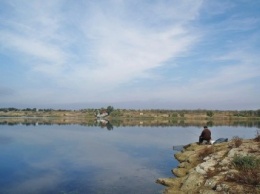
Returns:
point(225, 161)
point(237, 151)
point(206, 165)
point(194, 176)
point(206, 158)
point(171, 190)
point(225, 168)
point(169, 182)
point(222, 187)
point(220, 154)
point(183, 156)
point(218, 188)
point(192, 182)
point(184, 165)
point(192, 158)
point(206, 191)
point(179, 172)
point(211, 183)
point(200, 170)
point(190, 147)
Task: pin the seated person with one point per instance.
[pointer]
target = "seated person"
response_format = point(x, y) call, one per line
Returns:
point(205, 135)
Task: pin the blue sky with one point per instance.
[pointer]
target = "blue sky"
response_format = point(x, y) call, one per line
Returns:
point(170, 54)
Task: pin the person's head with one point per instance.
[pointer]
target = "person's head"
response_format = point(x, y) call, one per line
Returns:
point(205, 127)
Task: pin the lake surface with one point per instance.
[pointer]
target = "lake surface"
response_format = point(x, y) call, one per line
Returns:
point(83, 159)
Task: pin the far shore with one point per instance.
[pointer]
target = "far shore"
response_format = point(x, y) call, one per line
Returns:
point(123, 117)
point(139, 114)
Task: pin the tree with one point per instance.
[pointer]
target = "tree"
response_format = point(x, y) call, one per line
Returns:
point(110, 109)
point(258, 113)
point(210, 113)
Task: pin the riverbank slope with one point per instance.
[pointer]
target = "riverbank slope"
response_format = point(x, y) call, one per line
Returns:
point(230, 167)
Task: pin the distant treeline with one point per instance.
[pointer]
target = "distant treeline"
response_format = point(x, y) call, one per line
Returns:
point(31, 109)
point(184, 113)
point(149, 112)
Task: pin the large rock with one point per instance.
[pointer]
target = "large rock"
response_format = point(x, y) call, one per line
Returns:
point(180, 172)
point(170, 182)
point(183, 156)
point(207, 165)
point(210, 174)
point(192, 182)
point(186, 165)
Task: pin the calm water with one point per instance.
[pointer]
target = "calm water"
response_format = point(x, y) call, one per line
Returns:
point(79, 159)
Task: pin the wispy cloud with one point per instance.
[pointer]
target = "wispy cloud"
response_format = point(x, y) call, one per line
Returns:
point(5, 91)
point(88, 50)
point(123, 50)
point(119, 47)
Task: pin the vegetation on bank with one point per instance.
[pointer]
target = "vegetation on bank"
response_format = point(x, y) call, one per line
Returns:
point(248, 167)
point(134, 113)
point(130, 117)
point(228, 167)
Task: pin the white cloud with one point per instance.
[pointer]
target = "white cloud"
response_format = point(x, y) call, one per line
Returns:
point(33, 47)
point(87, 50)
point(124, 51)
point(230, 85)
point(120, 48)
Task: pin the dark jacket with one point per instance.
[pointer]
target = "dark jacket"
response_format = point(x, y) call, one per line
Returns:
point(206, 134)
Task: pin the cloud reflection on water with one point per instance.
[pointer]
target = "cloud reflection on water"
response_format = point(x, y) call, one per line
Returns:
point(86, 159)
point(5, 140)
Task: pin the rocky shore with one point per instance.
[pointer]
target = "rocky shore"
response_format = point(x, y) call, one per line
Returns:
point(209, 169)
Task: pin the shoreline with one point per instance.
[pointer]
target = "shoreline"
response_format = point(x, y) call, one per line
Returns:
point(79, 119)
point(208, 115)
point(208, 169)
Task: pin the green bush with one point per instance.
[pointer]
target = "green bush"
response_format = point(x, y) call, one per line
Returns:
point(246, 162)
point(248, 174)
point(210, 113)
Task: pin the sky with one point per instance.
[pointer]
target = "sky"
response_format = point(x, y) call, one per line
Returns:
point(138, 54)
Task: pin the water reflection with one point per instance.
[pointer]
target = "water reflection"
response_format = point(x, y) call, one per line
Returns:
point(56, 159)
point(111, 123)
point(53, 158)
point(104, 123)
point(5, 140)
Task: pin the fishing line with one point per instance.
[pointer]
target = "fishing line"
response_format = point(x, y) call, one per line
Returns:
point(188, 131)
point(180, 147)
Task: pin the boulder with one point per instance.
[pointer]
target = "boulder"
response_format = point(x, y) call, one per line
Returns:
point(210, 175)
point(170, 182)
point(183, 156)
point(180, 172)
point(192, 182)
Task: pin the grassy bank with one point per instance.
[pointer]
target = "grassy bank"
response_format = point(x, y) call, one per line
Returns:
point(138, 114)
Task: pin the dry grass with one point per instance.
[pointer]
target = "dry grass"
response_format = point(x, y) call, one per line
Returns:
point(237, 141)
point(253, 149)
point(212, 173)
point(257, 138)
point(250, 179)
point(205, 152)
point(248, 172)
